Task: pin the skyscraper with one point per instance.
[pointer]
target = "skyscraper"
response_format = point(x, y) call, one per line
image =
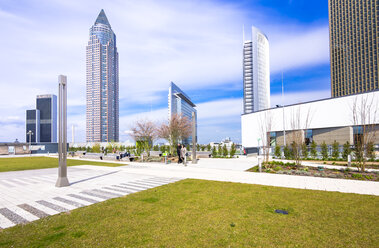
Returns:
point(353, 33)
point(32, 126)
point(42, 121)
point(102, 113)
point(256, 73)
point(180, 103)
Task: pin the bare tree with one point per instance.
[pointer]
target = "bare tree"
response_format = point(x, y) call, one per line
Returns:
point(365, 116)
point(144, 132)
point(298, 125)
point(177, 129)
point(265, 125)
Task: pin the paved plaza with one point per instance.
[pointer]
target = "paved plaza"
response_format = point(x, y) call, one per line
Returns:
point(30, 195)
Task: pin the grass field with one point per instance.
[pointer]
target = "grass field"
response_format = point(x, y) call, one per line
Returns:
point(30, 163)
point(197, 213)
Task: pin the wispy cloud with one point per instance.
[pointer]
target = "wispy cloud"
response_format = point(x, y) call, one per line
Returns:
point(196, 43)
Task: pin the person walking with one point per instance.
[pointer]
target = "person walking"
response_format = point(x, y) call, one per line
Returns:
point(178, 151)
point(183, 152)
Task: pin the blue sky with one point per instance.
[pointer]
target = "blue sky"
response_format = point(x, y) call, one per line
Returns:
point(196, 44)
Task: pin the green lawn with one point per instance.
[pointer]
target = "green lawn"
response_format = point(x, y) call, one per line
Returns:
point(197, 213)
point(30, 163)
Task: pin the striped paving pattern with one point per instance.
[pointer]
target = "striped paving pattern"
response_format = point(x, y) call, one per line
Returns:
point(31, 211)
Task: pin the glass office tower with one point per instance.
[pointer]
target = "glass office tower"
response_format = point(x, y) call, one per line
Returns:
point(256, 73)
point(33, 125)
point(180, 103)
point(47, 106)
point(102, 108)
point(353, 31)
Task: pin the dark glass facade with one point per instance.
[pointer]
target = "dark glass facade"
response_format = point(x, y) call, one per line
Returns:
point(32, 124)
point(354, 27)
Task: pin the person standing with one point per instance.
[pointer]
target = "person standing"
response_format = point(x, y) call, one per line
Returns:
point(178, 151)
point(183, 151)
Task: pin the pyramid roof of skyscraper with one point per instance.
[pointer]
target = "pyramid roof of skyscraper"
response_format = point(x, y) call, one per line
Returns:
point(102, 18)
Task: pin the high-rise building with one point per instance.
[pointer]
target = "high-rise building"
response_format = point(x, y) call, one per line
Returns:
point(102, 113)
point(47, 106)
point(32, 126)
point(180, 103)
point(256, 73)
point(353, 33)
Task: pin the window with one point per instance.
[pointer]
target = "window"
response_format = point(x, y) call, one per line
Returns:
point(357, 134)
point(308, 136)
point(272, 138)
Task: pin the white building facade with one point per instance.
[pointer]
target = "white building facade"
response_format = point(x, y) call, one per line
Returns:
point(326, 120)
point(256, 73)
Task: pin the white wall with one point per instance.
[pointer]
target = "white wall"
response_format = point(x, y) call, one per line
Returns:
point(332, 112)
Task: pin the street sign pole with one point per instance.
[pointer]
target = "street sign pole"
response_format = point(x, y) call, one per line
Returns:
point(62, 132)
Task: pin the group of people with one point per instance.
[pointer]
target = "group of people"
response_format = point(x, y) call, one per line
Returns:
point(181, 150)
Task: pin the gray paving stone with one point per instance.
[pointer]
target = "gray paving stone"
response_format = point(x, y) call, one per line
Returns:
point(52, 206)
point(33, 210)
point(117, 190)
point(131, 190)
point(83, 198)
point(106, 193)
point(73, 203)
point(96, 195)
point(12, 216)
point(143, 185)
point(138, 187)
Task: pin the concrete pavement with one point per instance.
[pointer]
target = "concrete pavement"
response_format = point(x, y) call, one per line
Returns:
point(29, 195)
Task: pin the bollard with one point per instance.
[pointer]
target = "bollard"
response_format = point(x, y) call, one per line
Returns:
point(260, 164)
point(348, 160)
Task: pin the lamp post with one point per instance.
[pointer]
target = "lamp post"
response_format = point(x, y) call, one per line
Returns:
point(30, 133)
point(62, 139)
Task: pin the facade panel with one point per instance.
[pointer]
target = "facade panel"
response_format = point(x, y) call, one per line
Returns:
point(354, 41)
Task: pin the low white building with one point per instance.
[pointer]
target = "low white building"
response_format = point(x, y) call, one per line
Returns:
point(325, 120)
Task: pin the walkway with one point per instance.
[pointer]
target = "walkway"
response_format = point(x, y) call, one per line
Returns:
point(29, 195)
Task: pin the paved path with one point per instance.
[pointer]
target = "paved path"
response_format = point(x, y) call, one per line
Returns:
point(29, 195)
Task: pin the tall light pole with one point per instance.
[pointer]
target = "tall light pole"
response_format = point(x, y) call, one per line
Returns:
point(284, 121)
point(30, 133)
point(62, 126)
point(194, 137)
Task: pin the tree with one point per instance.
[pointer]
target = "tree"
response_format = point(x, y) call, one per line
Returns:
point(277, 151)
point(202, 147)
point(176, 130)
point(96, 148)
point(287, 152)
point(335, 150)
point(219, 150)
point(314, 149)
point(233, 150)
point(214, 152)
point(298, 125)
point(197, 147)
point(304, 150)
point(144, 133)
point(265, 124)
point(370, 151)
point(346, 150)
point(365, 116)
point(324, 151)
point(156, 148)
point(224, 151)
point(209, 147)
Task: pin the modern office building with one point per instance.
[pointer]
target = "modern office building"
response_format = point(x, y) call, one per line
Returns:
point(338, 119)
point(102, 112)
point(354, 41)
point(47, 106)
point(32, 125)
point(180, 103)
point(256, 73)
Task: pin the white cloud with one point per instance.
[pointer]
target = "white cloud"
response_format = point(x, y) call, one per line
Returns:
point(195, 43)
point(299, 97)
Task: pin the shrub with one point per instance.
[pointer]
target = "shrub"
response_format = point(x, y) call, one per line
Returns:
point(370, 151)
point(233, 150)
point(96, 148)
point(278, 168)
point(214, 152)
point(277, 151)
point(335, 150)
point(314, 149)
point(304, 151)
point(324, 151)
point(357, 176)
point(288, 154)
point(224, 151)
